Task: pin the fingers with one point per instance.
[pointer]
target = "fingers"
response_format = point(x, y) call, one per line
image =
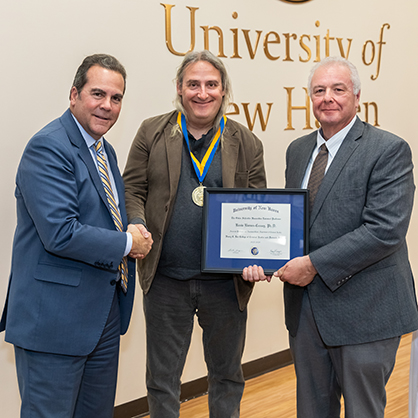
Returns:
point(279, 273)
point(144, 231)
point(141, 241)
point(254, 274)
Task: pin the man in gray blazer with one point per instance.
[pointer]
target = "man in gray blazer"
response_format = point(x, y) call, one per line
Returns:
point(351, 298)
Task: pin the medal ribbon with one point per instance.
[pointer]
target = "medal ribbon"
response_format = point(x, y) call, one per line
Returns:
point(201, 168)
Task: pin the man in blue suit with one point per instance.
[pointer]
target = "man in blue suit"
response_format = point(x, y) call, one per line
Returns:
point(72, 283)
point(351, 298)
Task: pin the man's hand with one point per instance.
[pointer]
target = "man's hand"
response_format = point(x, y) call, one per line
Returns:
point(254, 274)
point(141, 241)
point(299, 271)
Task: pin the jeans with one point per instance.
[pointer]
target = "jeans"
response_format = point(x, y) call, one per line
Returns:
point(169, 309)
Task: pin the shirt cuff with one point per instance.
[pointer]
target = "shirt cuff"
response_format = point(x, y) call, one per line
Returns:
point(128, 247)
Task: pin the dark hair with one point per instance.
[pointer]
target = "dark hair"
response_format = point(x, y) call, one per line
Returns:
point(102, 60)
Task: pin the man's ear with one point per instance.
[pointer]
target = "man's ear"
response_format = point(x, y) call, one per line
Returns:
point(73, 95)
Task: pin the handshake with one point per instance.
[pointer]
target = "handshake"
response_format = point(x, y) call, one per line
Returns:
point(141, 241)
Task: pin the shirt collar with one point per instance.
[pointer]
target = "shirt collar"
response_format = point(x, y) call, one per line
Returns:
point(87, 138)
point(333, 144)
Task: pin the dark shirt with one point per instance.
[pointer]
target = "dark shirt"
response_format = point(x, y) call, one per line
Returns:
point(181, 250)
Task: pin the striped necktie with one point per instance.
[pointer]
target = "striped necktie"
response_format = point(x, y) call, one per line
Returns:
point(317, 174)
point(104, 176)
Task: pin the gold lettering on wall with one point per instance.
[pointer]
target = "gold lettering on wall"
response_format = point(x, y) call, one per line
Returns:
point(252, 38)
point(258, 111)
point(290, 108)
point(251, 121)
point(305, 48)
point(286, 47)
point(168, 31)
point(235, 42)
point(266, 44)
point(252, 51)
point(380, 44)
point(366, 113)
point(341, 48)
point(206, 30)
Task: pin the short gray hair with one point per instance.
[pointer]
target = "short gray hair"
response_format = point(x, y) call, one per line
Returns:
point(329, 61)
point(196, 56)
point(102, 60)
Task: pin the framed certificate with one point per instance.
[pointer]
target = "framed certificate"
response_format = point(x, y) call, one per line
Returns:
point(242, 227)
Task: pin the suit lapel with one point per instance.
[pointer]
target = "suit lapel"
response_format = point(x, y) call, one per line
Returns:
point(174, 147)
point(77, 140)
point(304, 153)
point(229, 152)
point(347, 148)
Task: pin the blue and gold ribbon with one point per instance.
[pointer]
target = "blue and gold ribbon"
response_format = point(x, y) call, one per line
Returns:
point(201, 167)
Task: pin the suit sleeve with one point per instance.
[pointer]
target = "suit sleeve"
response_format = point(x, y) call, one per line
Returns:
point(135, 177)
point(383, 221)
point(59, 199)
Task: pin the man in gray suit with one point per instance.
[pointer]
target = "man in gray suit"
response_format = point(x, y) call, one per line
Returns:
point(351, 298)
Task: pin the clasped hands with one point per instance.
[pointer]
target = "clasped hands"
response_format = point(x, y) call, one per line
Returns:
point(141, 241)
point(298, 271)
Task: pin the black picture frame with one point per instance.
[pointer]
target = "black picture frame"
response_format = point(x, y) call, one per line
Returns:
point(214, 198)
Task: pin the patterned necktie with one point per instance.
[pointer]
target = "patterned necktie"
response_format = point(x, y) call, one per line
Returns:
point(317, 174)
point(104, 176)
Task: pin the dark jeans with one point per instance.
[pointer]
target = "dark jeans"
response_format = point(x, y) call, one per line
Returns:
point(169, 308)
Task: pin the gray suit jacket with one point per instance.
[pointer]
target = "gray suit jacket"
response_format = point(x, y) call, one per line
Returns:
point(364, 289)
point(153, 171)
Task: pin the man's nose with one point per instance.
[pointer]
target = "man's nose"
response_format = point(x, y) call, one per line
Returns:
point(106, 103)
point(203, 94)
point(328, 95)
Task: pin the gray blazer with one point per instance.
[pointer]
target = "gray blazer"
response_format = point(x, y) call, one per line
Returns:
point(364, 290)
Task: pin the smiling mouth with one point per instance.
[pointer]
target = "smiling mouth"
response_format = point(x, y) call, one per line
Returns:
point(203, 103)
point(101, 117)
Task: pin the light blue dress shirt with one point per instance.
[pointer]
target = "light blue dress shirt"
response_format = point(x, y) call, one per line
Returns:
point(90, 142)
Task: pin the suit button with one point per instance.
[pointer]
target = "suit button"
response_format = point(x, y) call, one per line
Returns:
point(113, 282)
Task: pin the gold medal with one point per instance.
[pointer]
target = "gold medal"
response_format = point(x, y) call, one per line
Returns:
point(197, 195)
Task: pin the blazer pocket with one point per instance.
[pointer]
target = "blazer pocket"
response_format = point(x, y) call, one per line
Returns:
point(241, 179)
point(58, 274)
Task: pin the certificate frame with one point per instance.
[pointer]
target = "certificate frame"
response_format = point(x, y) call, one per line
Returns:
point(215, 197)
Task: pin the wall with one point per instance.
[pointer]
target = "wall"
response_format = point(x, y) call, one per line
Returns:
point(44, 41)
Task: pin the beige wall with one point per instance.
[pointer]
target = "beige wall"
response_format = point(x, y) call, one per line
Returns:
point(43, 42)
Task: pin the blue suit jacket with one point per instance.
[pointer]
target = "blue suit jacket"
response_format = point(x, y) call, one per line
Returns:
point(66, 250)
point(364, 290)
